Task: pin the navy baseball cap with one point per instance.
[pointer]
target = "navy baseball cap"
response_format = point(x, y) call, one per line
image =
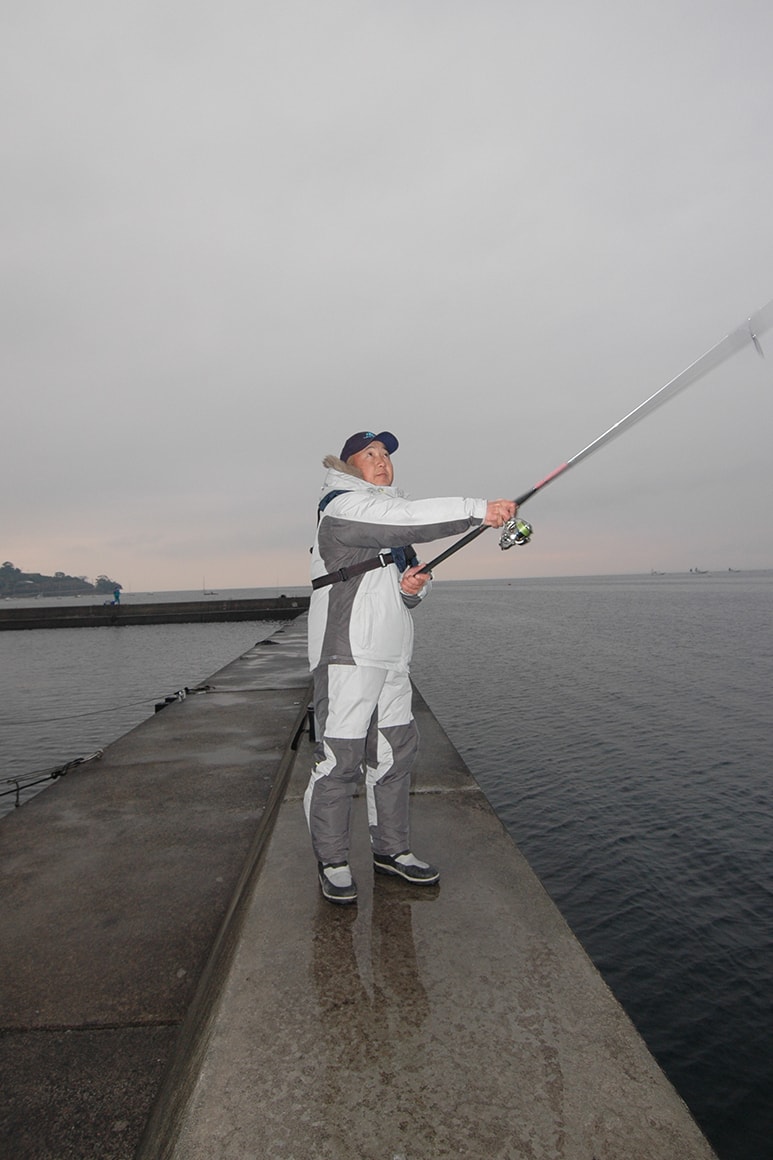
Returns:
point(362, 440)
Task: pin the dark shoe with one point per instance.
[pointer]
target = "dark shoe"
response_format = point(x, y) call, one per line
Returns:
point(406, 865)
point(337, 883)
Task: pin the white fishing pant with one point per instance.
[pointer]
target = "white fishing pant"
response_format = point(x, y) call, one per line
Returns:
point(365, 728)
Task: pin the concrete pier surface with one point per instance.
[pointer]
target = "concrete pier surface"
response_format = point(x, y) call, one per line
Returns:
point(199, 1000)
point(459, 1020)
point(121, 888)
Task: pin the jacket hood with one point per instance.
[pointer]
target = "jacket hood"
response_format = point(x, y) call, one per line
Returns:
point(335, 464)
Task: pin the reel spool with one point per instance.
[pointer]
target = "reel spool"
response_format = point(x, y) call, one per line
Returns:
point(515, 532)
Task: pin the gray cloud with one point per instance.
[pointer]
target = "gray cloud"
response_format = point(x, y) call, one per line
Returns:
point(233, 234)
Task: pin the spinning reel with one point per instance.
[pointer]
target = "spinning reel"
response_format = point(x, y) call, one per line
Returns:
point(515, 531)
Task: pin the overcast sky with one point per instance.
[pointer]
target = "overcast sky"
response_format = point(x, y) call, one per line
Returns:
point(234, 233)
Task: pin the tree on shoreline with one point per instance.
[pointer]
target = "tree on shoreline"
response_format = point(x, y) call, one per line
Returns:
point(15, 582)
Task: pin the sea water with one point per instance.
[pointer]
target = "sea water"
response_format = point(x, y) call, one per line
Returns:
point(620, 726)
point(622, 729)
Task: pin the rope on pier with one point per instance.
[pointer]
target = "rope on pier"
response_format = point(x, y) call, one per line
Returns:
point(25, 781)
point(180, 695)
point(17, 784)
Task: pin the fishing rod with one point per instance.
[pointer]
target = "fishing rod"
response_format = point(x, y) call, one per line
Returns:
point(517, 532)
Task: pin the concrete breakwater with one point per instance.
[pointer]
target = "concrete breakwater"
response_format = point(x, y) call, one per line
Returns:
point(175, 987)
point(181, 612)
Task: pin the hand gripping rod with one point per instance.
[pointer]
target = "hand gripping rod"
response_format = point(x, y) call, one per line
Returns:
point(749, 331)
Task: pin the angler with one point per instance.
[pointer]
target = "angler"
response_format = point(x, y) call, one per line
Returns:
point(365, 579)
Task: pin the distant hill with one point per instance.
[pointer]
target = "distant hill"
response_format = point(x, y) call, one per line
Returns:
point(15, 582)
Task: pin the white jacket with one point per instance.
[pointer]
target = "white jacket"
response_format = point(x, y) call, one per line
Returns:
point(365, 620)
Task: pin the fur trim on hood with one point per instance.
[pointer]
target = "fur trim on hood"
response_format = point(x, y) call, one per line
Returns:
point(336, 464)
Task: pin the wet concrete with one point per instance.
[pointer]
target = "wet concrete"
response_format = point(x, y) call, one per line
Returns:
point(173, 984)
point(459, 1020)
point(117, 883)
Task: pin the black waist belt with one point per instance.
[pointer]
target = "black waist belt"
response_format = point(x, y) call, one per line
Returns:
point(381, 561)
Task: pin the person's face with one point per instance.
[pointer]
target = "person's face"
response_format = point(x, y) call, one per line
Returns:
point(375, 463)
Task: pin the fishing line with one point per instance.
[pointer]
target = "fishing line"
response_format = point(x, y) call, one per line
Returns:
point(518, 532)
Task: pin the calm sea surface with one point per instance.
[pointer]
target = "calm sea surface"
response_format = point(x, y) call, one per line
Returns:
point(623, 730)
point(621, 727)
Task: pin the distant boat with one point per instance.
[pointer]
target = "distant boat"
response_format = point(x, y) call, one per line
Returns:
point(207, 591)
point(699, 571)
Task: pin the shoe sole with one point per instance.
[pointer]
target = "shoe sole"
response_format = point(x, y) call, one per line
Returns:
point(406, 877)
point(339, 900)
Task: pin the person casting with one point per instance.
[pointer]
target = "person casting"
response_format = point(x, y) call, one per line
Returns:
point(365, 579)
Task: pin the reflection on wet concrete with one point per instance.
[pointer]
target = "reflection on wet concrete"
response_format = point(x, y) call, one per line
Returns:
point(365, 967)
point(372, 1006)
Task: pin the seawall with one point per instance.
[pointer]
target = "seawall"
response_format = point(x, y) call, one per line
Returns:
point(182, 612)
point(174, 985)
